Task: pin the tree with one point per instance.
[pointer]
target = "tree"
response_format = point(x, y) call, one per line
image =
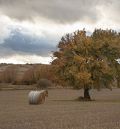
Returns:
point(87, 61)
point(9, 74)
point(117, 70)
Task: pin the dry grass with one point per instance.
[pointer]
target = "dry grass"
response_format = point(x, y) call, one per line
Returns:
point(60, 110)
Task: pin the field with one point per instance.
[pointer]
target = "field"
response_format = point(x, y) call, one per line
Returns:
point(61, 110)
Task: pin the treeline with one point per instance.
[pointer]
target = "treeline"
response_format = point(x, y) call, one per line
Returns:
point(26, 74)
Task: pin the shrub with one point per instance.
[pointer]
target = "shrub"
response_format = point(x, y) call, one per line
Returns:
point(43, 83)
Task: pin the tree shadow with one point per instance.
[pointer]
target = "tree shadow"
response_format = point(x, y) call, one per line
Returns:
point(90, 101)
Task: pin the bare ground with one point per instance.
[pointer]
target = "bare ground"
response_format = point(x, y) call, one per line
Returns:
point(60, 110)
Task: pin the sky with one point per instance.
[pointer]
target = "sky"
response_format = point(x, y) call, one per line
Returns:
point(30, 30)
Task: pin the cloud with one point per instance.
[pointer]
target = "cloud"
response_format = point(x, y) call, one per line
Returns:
point(21, 43)
point(4, 31)
point(20, 59)
point(62, 11)
point(112, 11)
point(42, 23)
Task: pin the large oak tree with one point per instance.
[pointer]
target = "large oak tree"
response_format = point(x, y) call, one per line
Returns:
point(87, 62)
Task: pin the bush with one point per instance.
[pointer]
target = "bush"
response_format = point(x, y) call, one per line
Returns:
point(43, 84)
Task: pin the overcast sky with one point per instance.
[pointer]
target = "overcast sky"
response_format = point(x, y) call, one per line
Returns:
point(31, 29)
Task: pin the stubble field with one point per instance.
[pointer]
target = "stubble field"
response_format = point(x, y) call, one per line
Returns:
point(60, 111)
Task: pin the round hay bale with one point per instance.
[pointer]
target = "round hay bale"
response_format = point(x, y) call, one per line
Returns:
point(37, 97)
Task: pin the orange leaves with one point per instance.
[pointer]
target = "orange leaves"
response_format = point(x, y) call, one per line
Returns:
point(73, 70)
point(87, 59)
point(79, 59)
point(84, 77)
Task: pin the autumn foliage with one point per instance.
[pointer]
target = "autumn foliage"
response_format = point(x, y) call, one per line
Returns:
point(87, 62)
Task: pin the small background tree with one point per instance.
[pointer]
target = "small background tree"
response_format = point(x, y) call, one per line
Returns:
point(43, 83)
point(9, 74)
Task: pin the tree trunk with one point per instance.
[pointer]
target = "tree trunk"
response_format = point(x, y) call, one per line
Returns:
point(86, 94)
